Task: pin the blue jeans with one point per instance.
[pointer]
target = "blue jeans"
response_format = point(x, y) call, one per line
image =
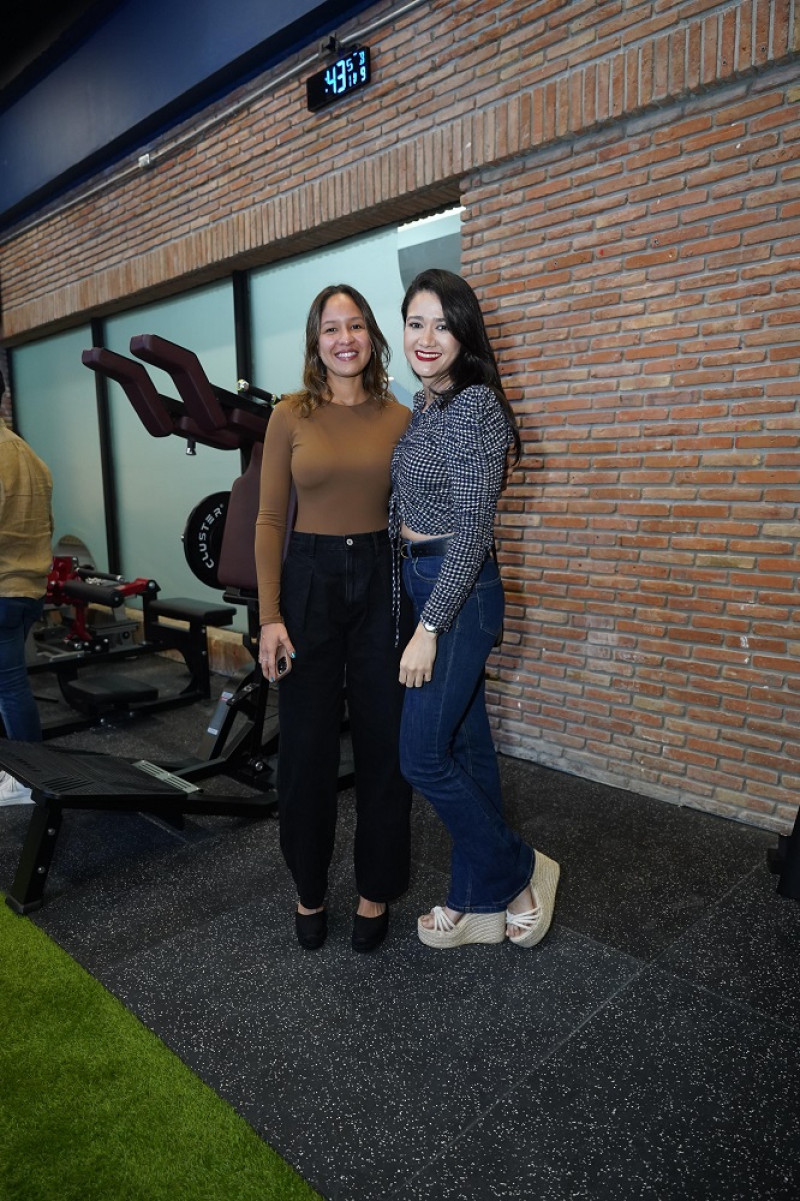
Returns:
point(446, 748)
point(17, 705)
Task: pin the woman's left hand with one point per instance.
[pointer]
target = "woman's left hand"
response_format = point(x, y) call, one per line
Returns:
point(416, 663)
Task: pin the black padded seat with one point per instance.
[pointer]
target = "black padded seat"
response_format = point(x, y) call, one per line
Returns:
point(92, 594)
point(107, 691)
point(182, 608)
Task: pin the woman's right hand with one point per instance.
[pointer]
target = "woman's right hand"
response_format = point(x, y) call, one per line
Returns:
point(417, 660)
point(275, 651)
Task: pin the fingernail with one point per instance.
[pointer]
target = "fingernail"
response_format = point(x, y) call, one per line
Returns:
point(292, 655)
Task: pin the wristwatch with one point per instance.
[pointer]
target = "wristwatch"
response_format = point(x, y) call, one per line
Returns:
point(426, 625)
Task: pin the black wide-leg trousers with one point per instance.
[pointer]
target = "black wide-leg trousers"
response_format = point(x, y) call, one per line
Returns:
point(336, 600)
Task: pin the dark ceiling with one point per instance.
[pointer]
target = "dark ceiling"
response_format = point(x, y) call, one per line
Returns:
point(42, 33)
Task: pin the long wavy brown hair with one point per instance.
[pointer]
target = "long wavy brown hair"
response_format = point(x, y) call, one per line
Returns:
point(316, 390)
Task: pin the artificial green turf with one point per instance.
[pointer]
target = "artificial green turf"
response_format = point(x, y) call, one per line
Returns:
point(93, 1107)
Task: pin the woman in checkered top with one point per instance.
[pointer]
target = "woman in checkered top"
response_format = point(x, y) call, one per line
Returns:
point(447, 472)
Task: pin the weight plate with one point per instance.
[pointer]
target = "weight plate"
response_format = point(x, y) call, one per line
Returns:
point(202, 537)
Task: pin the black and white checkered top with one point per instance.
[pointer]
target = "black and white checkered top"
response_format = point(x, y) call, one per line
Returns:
point(447, 471)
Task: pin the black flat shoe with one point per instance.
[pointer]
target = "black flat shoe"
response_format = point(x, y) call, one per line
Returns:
point(369, 932)
point(312, 929)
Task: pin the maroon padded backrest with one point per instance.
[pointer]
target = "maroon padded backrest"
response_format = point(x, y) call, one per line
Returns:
point(194, 387)
point(237, 559)
point(137, 385)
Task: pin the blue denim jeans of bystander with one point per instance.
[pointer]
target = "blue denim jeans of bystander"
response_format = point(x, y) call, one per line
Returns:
point(17, 704)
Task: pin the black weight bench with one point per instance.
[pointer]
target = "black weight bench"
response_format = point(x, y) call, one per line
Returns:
point(169, 624)
point(106, 693)
point(190, 638)
point(61, 780)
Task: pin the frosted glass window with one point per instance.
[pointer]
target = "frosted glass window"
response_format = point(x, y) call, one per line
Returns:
point(281, 295)
point(430, 242)
point(158, 484)
point(56, 412)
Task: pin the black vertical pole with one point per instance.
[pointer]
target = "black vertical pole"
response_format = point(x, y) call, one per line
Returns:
point(242, 334)
point(241, 325)
point(106, 459)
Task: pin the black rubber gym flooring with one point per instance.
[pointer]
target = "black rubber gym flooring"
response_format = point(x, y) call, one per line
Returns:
point(647, 1049)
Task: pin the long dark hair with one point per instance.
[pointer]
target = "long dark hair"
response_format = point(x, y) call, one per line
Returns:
point(475, 362)
point(315, 377)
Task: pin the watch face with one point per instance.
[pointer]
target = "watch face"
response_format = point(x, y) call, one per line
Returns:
point(346, 75)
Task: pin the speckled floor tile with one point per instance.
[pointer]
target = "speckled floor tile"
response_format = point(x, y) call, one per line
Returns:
point(636, 872)
point(668, 1093)
point(746, 947)
point(358, 1067)
point(111, 914)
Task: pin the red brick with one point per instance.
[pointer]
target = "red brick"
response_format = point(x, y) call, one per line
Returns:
point(761, 28)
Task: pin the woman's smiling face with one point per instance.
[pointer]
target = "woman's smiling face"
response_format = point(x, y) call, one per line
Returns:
point(430, 348)
point(344, 345)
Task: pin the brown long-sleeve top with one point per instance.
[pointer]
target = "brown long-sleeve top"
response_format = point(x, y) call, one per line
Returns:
point(339, 459)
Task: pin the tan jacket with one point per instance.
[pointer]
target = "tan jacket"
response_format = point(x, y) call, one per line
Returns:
point(26, 520)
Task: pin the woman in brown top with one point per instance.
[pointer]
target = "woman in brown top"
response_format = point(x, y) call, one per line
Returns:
point(326, 614)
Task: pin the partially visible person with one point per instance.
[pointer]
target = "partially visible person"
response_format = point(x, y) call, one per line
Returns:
point(26, 531)
point(326, 615)
point(447, 474)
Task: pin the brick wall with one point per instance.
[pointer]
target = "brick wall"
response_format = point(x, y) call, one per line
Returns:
point(629, 173)
point(645, 280)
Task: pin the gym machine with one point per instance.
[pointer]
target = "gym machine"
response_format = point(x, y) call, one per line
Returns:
point(78, 652)
point(240, 740)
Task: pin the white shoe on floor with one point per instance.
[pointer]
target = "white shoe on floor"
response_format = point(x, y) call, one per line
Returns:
point(534, 924)
point(12, 792)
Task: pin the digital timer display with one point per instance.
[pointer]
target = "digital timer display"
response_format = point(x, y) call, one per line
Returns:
point(346, 75)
